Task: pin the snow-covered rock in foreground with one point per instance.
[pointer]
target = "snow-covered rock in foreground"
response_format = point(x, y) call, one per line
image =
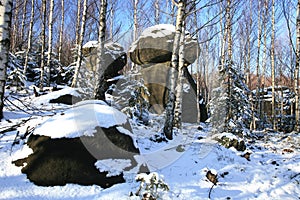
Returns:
point(73, 147)
point(81, 120)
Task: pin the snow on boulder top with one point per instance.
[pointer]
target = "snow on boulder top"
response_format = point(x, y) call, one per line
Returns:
point(90, 44)
point(81, 120)
point(109, 46)
point(159, 30)
point(155, 45)
point(44, 99)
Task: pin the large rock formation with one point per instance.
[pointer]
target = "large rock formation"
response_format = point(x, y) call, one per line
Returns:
point(155, 45)
point(114, 55)
point(153, 51)
point(155, 79)
point(67, 154)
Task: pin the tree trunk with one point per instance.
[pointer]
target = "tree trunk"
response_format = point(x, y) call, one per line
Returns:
point(61, 31)
point(14, 39)
point(229, 46)
point(264, 57)
point(273, 66)
point(77, 36)
point(5, 22)
point(50, 40)
point(157, 10)
point(169, 118)
point(28, 49)
point(296, 76)
point(23, 24)
point(79, 44)
point(43, 37)
point(112, 18)
point(135, 19)
point(179, 88)
point(258, 99)
point(101, 85)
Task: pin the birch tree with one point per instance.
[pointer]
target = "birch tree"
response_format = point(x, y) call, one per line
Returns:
point(100, 87)
point(169, 118)
point(5, 22)
point(77, 30)
point(296, 75)
point(28, 49)
point(61, 31)
point(79, 45)
point(179, 88)
point(273, 65)
point(157, 11)
point(135, 19)
point(23, 23)
point(50, 42)
point(43, 38)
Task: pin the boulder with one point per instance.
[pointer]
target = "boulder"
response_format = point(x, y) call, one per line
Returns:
point(62, 155)
point(156, 79)
point(114, 55)
point(155, 45)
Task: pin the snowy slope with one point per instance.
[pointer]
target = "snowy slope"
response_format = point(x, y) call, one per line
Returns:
point(273, 171)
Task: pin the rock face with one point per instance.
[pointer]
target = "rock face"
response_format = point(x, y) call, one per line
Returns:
point(114, 55)
point(155, 79)
point(155, 45)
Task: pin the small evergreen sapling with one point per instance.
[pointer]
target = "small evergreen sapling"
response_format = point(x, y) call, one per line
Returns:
point(151, 186)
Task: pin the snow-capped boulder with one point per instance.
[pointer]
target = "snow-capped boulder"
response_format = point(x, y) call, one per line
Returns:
point(155, 45)
point(67, 147)
point(114, 55)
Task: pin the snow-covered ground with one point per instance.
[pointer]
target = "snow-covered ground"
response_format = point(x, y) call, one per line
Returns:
point(273, 171)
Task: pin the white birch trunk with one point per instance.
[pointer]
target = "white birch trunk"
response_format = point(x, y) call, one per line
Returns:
point(157, 7)
point(61, 31)
point(296, 75)
point(169, 118)
point(273, 66)
point(78, 22)
point(100, 87)
point(79, 45)
point(179, 88)
point(28, 49)
point(5, 22)
point(23, 23)
point(135, 19)
point(43, 37)
point(264, 64)
point(50, 40)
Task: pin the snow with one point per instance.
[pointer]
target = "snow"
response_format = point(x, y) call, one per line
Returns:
point(273, 171)
point(159, 30)
point(114, 167)
point(44, 99)
point(156, 31)
point(90, 44)
point(81, 120)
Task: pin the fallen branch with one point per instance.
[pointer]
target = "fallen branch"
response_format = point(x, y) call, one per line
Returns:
point(15, 126)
